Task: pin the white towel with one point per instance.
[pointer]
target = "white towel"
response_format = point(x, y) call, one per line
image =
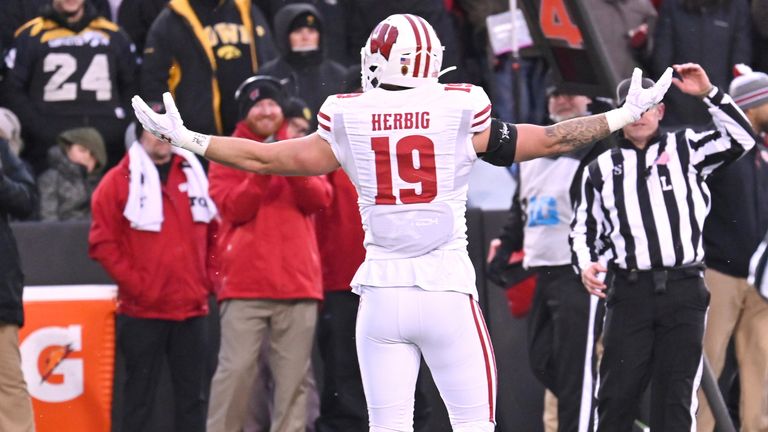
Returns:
point(144, 207)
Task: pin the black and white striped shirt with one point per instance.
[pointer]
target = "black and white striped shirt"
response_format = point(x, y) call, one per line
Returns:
point(648, 206)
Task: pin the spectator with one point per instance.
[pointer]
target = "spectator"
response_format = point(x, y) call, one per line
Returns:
point(645, 201)
point(75, 169)
point(260, 403)
point(10, 127)
point(311, 75)
point(271, 281)
point(562, 313)
point(17, 198)
point(517, 95)
point(14, 13)
point(737, 222)
point(137, 16)
point(713, 33)
point(94, 66)
point(152, 225)
point(201, 50)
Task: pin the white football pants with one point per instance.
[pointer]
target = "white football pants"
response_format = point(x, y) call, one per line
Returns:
point(395, 327)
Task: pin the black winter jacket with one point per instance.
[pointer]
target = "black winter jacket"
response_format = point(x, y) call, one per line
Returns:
point(311, 76)
point(136, 17)
point(717, 39)
point(201, 52)
point(18, 197)
point(738, 219)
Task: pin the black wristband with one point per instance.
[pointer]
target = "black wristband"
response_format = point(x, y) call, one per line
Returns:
point(502, 144)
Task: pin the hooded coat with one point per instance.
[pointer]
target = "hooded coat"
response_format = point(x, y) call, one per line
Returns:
point(311, 75)
point(66, 188)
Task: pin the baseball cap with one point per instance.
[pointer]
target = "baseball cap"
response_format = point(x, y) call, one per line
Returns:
point(552, 86)
point(623, 88)
point(749, 89)
point(256, 88)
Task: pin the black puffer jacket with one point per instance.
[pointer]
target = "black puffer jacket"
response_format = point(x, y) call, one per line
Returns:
point(312, 76)
point(18, 196)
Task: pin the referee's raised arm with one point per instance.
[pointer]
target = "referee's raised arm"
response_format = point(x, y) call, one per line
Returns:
point(733, 135)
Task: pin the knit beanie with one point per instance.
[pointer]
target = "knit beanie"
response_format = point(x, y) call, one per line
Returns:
point(296, 107)
point(256, 88)
point(749, 89)
point(305, 19)
point(87, 137)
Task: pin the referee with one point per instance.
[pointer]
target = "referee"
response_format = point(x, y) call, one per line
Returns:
point(646, 201)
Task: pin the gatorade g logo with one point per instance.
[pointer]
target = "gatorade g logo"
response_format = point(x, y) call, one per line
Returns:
point(386, 36)
point(51, 374)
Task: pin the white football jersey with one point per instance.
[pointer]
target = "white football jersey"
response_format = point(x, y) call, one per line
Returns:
point(409, 154)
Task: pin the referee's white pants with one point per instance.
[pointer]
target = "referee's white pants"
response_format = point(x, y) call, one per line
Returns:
point(395, 327)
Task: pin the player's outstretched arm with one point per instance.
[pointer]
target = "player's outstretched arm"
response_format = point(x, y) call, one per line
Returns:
point(310, 155)
point(536, 141)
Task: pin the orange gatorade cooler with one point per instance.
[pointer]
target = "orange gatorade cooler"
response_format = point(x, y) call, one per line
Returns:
point(67, 349)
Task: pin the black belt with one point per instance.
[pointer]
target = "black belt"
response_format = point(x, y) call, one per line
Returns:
point(660, 276)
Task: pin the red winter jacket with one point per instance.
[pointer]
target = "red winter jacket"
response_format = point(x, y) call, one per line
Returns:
point(267, 239)
point(162, 275)
point(340, 234)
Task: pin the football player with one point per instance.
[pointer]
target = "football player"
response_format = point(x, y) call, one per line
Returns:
point(408, 143)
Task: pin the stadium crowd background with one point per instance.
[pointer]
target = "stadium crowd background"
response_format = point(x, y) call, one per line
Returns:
point(68, 118)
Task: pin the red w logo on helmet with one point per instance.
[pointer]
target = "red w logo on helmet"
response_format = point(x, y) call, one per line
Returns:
point(386, 36)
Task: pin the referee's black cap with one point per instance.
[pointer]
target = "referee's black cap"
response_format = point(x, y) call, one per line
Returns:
point(623, 88)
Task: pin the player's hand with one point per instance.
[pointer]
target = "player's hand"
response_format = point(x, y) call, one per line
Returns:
point(169, 126)
point(693, 79)
point(639, 99)
point(590, 277)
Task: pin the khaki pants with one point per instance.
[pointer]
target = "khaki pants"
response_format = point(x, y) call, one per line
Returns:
point(550, 411)
point(15, 405)
point(290, 326)
point(737, 309)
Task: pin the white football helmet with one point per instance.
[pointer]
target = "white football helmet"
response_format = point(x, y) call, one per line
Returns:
point(403, 50)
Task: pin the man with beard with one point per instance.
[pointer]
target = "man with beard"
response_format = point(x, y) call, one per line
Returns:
point(271, 278)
